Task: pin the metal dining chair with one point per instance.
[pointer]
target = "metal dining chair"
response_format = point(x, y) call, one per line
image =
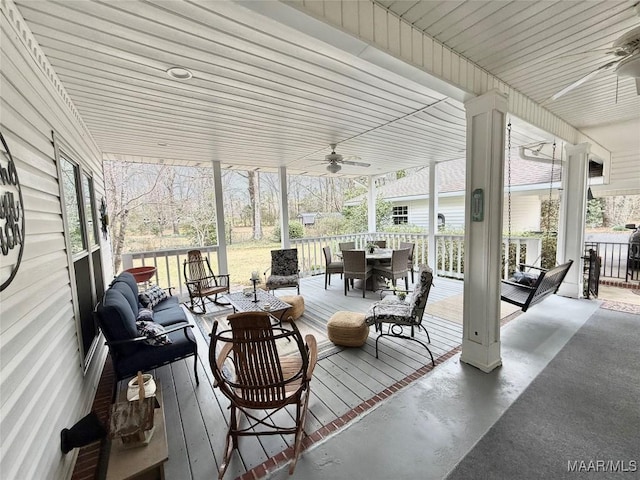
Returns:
point(408, 313)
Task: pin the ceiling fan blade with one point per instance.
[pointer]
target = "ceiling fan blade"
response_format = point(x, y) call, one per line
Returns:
point(357, 164)
point(584, 79)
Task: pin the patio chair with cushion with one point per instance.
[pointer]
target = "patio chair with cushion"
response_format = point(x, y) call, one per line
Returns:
point(355, 267)
point(397, 268)
point(411, 246)
point(381, 243)
point(201, 282)
point(259, 382)
point(330, 266)
point(400, 313)
point(284, 270)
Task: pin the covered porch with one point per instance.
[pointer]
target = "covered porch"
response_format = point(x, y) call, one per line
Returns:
point(351, 388)
point(270, 86)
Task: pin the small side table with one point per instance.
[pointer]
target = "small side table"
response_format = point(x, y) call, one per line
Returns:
point(141, 463)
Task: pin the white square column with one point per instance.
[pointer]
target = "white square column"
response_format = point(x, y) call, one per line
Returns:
point(221, 231)
point(284, 208)
point(432, 253)
point(372, 195)
point(484, 198)
point(572, 218)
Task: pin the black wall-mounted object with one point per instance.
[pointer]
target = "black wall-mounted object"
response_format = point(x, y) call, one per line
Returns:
point(12, 221)
point(104, 218)
point(87, 430)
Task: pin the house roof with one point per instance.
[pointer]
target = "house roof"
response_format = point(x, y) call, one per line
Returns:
point(451, 180)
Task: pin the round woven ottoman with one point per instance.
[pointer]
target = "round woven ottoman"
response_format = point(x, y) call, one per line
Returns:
point(347, 329)
point(297, 306)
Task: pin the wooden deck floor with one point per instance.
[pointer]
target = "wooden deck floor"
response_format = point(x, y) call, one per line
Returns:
point(196, 416)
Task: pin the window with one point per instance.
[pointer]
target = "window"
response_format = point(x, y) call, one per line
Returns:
point(400, 215)
point(70, 187)
point(89, 211)
point(81, 230)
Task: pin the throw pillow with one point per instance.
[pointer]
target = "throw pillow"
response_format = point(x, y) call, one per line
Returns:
point(524, 278)
point(155, 332)
point(152, 296)
point(145, 314)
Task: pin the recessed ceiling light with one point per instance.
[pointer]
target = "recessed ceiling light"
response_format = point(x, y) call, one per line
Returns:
point(179, 73)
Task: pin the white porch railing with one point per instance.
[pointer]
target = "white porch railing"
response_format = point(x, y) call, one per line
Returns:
point(450, 258)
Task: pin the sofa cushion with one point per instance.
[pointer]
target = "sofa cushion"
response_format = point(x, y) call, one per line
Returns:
point(169, 303)
point(169, 316)
point(155, 332)
point(152, 296)
point(128, 279)
point(117, 320)
point(182, 345)
point(125, 290)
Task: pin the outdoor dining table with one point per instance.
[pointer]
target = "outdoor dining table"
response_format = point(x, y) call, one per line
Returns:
point(378, 256)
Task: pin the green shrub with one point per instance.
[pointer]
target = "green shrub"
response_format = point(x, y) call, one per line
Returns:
point(296, 230)
point(619, 228)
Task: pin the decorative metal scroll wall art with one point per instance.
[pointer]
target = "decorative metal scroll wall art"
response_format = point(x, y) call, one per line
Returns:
point(11, 217)
point(104, 218)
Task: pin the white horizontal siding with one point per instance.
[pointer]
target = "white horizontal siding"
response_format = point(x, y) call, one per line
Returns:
point(418, 213)
point(42, 385)
point(624, 175)
point(451, 207)
point(453, 210)
point(525, 212)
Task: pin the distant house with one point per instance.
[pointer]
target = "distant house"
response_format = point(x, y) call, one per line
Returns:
point(307, 219)
point(530, 183)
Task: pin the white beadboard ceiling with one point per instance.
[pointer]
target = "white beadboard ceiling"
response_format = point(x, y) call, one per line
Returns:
point(540, 47)
point(265, 95)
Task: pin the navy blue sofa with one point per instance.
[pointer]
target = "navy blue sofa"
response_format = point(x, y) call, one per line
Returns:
point(117, 315)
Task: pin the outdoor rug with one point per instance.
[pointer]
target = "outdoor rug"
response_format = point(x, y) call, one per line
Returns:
point(621, 307)
point(579, 416)
point(451, 309)
point(307, 324)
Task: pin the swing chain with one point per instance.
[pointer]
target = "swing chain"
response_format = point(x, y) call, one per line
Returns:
point(553, 162)
point(509, 181)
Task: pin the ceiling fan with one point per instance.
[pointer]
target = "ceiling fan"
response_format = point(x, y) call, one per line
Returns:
point(626, 62)
point(335, 160)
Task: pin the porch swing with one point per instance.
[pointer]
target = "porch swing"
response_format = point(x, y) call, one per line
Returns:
point(525, 289)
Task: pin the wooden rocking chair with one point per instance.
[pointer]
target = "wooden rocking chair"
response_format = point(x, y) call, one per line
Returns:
point(201, 282)
point(258, 381)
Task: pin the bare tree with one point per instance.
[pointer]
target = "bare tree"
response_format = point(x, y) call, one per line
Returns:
point(127, 187)
point(254, 198)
